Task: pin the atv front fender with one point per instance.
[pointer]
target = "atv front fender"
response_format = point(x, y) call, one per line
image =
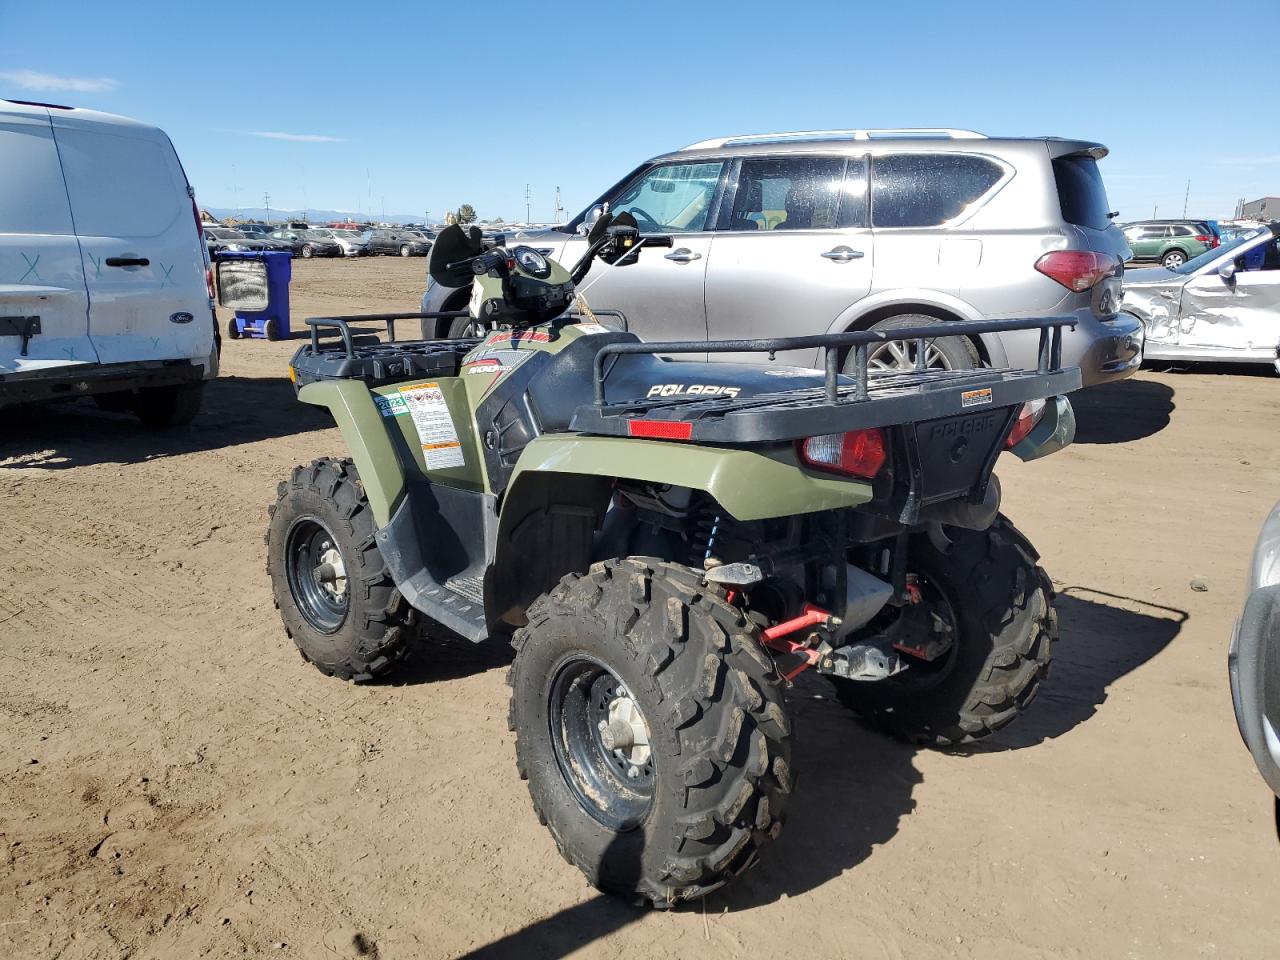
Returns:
point(749, 484)
point(365, 432)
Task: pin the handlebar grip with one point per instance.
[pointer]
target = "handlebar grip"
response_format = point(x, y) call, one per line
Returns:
point(659, 240)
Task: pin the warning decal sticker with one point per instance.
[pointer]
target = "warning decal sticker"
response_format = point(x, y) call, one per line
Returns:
point(440, 445)
point(975, 398)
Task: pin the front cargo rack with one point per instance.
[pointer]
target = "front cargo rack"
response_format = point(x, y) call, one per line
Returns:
point(846, 401)
point(379, 361)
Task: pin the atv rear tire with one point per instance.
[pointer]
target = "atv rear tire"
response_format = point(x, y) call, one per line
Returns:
point(168, 406)
point(648, 634)
point(1005, 626)
point(350, 620)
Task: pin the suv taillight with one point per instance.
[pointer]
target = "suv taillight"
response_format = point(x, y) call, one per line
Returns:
point(858, 453)
point(1208, 240)
point(1077, 270)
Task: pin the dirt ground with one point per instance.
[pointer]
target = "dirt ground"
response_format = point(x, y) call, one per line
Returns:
point(178, 783)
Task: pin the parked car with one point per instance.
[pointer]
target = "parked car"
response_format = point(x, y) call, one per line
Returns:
point(1171, 243)
point(806, 233)
point(352, 242)
point(223, 238)
point(308, 243)
point(254, 229)
point(106, 289)
point(1253, 661)
point(397, 242)
point(1221, 305)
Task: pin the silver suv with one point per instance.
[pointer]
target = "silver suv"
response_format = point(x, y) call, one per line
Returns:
point(828, 231)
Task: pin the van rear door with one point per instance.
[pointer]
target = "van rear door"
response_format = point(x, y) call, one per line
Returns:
point(44, 306)
point(143, 253)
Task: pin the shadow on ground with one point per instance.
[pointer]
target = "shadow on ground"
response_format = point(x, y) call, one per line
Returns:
point(1123, 411)
point(235, 410)
point(855, 785)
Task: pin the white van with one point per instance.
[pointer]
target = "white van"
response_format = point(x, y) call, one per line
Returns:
point(105, 287)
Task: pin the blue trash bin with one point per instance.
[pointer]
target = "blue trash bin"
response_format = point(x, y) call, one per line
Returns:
point(255, 284)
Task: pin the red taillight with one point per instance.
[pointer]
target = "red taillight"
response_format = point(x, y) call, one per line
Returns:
point(1077, 270)
point(1031, 413)
point(204, 250)
point(858, 453)
point(660, 429)
point(1208, 240)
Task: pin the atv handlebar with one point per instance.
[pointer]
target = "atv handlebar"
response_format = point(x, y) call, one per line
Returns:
point(1049, 353)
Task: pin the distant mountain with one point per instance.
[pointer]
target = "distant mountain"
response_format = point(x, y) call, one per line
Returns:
point(311, 216)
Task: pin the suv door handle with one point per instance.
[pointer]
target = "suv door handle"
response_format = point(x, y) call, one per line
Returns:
point(683, 255)
point(128, 262)
point(843, 254)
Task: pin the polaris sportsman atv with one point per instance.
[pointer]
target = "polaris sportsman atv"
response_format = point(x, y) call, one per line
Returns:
point(669, 543)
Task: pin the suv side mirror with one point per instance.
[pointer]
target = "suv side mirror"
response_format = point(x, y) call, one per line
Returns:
point(1227, 271)
point(589, 221)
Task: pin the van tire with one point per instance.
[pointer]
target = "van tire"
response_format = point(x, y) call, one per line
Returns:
point(172, 406)
point(959, 353)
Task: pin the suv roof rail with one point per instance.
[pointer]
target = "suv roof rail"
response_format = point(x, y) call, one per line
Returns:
point(907, 133)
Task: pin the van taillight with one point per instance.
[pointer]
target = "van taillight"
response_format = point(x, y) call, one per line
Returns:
point(1077, 270)
point(204, 250)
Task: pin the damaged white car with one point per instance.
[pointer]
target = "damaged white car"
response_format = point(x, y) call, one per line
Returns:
point(1222, 305)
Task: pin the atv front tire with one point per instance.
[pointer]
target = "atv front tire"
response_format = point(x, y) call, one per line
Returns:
point(331, 585)
point(651, 729)
point(1000, 603)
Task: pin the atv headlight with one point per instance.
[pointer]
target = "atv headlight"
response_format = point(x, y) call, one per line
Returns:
point(532, 262)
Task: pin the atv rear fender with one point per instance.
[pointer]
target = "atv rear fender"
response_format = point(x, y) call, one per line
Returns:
point(751, 484)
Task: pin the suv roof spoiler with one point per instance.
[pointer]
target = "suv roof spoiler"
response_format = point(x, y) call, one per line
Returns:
point(906, 133)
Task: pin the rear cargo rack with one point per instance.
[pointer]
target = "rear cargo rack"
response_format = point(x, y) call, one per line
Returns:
point(846, 401)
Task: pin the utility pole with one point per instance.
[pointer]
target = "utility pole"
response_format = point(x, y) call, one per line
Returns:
point(528, 210)
point(559, 214)
point(384, 209)
point(266, 202)
point(1185, 197)
point(1154, 211)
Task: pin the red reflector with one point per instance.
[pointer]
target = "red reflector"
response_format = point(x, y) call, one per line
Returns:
point(660, 429)
point(1077, 270)
point(859, 453)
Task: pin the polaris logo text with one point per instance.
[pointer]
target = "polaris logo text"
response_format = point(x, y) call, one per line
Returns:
point(964, 428)
point(696, 389)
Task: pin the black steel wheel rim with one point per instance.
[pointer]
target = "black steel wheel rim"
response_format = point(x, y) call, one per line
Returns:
point(317, 574)
point(612, 780)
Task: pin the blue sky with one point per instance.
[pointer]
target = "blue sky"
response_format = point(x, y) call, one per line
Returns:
point(422, 106)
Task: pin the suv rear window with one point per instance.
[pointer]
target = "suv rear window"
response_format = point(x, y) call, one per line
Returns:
point(927, 189)
point(1081, 194)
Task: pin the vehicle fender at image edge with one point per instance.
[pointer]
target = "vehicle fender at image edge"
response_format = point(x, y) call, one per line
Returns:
point(750, 485)
point(1254, 670)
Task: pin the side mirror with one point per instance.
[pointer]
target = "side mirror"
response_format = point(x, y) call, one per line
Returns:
point(1227, 271)
point(589, 221)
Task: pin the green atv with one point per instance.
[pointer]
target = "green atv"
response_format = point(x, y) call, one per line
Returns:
point(668, 544)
